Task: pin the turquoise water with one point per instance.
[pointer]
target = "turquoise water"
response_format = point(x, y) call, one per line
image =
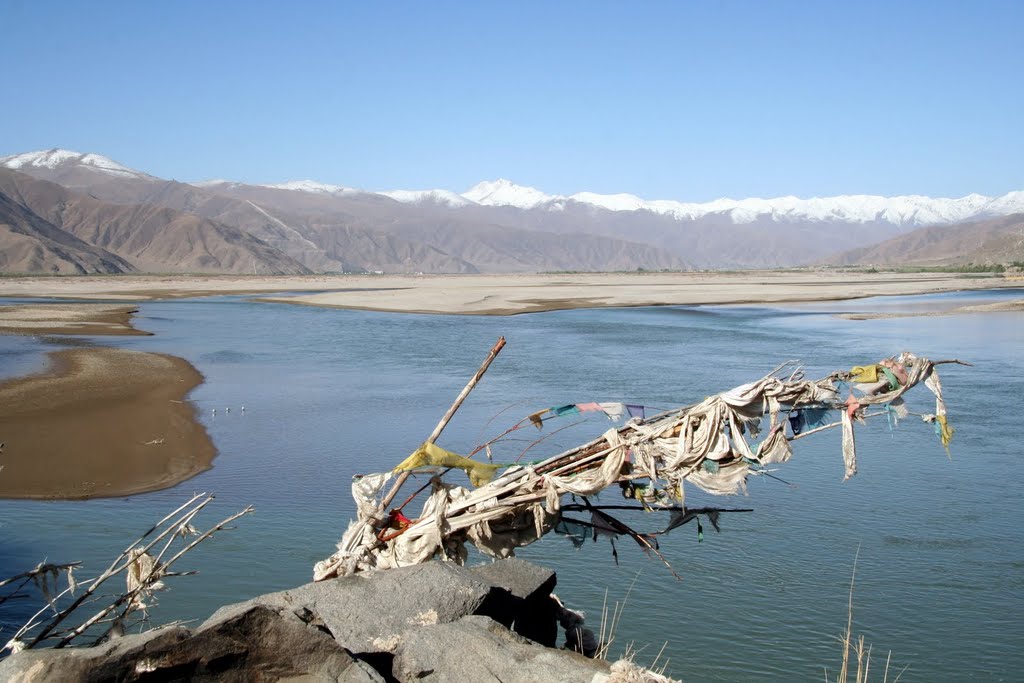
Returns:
point(331, 393)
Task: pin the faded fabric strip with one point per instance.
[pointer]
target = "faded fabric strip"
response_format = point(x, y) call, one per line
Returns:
point(614, 411)
point(849, 447)
point(635, 410)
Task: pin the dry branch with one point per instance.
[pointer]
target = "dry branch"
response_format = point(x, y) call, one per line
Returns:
point(142, 571)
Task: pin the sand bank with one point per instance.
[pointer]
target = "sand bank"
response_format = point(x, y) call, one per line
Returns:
point(511, 294)
point(78, 318)
point(1015, 306)
point(100, 422)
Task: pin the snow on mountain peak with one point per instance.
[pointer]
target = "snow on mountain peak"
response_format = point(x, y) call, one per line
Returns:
point(503, 192)
point(445, 197)
point(909, 210)
point(54, 158)
point(904, 210)
point(314, 187)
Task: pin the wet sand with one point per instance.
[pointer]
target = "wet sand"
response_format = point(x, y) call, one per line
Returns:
point(100, 422)
point(77, 318)
point(513, 294)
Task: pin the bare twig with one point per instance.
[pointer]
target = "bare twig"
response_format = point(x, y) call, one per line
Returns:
point(167, 530)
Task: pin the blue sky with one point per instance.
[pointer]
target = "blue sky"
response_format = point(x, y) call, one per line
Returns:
point(678, 100)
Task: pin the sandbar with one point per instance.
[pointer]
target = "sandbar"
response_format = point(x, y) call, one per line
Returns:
point(68, 318)
point(100, 422)
point(511, 294)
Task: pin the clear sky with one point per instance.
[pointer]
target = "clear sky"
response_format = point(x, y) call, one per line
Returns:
point(676, 100)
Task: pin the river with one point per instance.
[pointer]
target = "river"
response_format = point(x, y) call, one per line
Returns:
point(330, 393)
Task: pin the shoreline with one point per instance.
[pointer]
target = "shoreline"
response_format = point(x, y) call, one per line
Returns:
point(101, 422)
point(511, 294)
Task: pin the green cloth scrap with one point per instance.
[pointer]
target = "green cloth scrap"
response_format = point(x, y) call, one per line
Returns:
point(894, 383)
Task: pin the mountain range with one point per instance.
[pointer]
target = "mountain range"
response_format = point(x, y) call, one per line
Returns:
point(64, 211)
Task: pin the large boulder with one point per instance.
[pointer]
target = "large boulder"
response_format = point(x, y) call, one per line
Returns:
point(435, 622)
point(252, 643)
point(478, 649)
point(368, 612)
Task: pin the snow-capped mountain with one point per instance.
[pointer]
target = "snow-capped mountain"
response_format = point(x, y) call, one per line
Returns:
point(499, 226)
point(54, 158)
point(503, 192)
point(909, 210)
point(903, 211)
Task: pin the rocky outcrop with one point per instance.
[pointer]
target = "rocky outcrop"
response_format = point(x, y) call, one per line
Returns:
point(435, 622)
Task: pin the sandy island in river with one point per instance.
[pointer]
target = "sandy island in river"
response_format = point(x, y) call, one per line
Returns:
point(100, 422)
point(77, 318)
point(511, 294)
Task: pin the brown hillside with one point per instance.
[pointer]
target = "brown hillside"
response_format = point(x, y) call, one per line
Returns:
point(30, 244)
point(995, 240)
point(149, 238)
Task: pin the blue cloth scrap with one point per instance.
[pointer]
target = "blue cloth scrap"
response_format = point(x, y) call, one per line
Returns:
point(815, 417)
point(570, 409)
point(635, 411)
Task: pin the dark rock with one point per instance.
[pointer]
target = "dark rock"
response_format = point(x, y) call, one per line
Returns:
point(369, 612)
point(481, 650)
point(528, 609)
point(582, 640)
point(250, 643)
point(519, 577)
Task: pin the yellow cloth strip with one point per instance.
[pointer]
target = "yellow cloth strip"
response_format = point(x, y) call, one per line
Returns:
point(432, 455)
point(945, 430)
point(867, 374)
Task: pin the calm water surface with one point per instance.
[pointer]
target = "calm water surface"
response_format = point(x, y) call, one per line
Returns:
point(331, 393)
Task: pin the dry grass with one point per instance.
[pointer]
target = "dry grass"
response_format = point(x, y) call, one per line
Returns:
point(855, 648)
point(625, 669)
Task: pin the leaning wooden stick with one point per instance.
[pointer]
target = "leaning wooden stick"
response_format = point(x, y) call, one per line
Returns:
point(495, 350)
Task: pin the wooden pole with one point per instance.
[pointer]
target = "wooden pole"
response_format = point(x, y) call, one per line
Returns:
point(495, 350)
